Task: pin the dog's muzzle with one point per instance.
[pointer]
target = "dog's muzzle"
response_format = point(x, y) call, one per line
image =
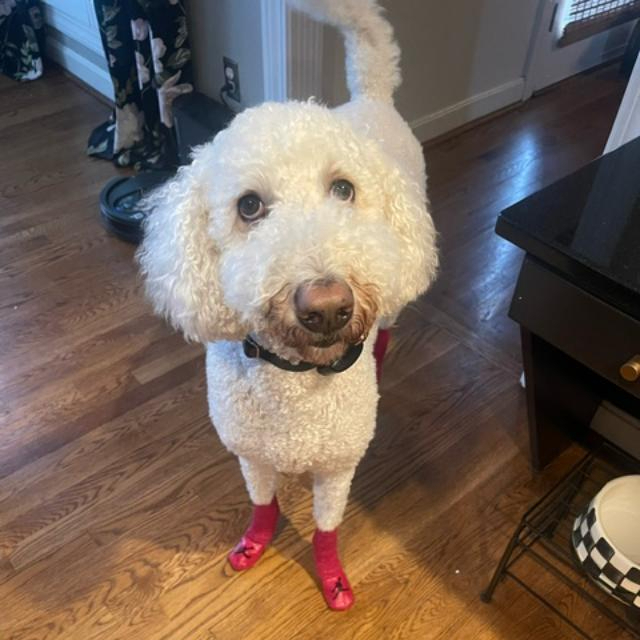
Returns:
point(324, 306)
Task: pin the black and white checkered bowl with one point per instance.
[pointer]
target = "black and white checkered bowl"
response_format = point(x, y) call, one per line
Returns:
point(606, 539)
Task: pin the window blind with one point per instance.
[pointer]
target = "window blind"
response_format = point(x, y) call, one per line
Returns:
point(585, 18)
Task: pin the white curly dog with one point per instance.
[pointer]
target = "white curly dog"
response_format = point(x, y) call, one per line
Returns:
point(288, 242)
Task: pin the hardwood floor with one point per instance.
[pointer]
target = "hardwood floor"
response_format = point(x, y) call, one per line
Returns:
point(117, 502)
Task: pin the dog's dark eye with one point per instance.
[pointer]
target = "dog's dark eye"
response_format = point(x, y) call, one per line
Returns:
point(251, 207)
point(343, 190)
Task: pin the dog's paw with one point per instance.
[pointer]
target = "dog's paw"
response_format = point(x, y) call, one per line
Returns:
point(246, 554)
point(337, 592)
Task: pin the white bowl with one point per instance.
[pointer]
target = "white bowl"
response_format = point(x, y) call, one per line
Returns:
point(606, 539)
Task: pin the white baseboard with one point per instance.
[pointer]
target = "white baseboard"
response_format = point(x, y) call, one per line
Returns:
point(435, 124)
point(95, 76)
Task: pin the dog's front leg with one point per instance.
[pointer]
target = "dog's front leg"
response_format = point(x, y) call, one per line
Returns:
point(262, 482)
point(330, 494)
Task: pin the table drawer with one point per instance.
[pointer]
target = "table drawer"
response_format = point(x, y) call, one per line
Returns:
point(589, 330)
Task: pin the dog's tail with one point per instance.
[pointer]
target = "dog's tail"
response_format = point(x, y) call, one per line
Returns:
point(372, 53)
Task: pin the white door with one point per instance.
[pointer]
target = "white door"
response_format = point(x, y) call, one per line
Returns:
point(551, 61)
point(626, 126)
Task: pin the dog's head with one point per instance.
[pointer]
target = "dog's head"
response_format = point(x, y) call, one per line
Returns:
point(291, 226)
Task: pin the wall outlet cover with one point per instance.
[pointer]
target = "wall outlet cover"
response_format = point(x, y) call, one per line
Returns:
point(231, 79)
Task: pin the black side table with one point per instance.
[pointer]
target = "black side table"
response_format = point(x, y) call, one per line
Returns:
point(577, 299)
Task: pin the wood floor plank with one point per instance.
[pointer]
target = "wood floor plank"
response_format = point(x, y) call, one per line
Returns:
point(156, 418)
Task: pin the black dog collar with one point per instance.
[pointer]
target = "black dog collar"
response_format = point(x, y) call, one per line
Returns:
point(253, 350)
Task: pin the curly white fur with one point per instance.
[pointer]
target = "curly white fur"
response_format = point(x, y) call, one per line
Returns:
point(218, 279)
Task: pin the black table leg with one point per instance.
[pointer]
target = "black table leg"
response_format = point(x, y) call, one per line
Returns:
point(560, 403)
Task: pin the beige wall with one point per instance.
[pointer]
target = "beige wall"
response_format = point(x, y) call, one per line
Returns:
point(227, 28)
point(453, 52)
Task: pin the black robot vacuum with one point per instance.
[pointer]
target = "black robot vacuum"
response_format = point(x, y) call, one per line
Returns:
point(120, 203)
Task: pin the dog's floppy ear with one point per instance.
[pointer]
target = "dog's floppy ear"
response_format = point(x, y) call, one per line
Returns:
point(179, 259)
point(407, 207)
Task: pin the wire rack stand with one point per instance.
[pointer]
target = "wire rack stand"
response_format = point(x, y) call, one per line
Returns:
point(544, 536)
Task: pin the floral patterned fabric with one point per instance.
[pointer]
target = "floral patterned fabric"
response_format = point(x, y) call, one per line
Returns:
point(21, 39)
point(147, 49)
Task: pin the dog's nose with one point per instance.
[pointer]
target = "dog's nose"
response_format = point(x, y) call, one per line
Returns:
point(324, 306)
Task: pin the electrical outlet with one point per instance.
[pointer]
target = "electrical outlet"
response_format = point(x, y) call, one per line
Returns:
point(231, 79)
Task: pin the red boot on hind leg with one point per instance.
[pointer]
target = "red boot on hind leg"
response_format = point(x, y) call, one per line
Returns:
point(380, 349)
point(257, 537)
point(333, 580)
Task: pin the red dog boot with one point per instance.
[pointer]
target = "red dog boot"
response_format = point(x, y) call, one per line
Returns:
point(335, 586)
point(257, 537)
point(380, 348)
